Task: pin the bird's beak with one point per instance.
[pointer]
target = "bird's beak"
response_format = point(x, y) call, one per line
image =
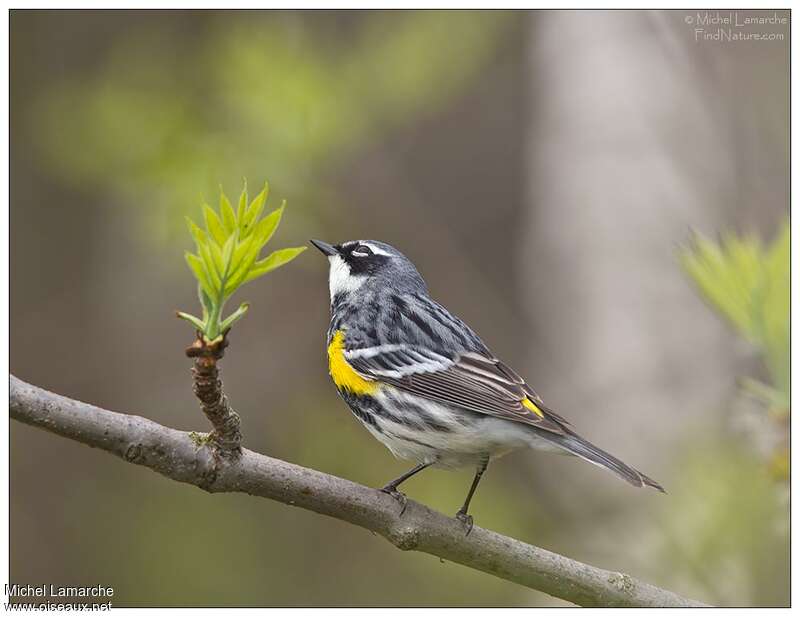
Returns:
point(326, 248)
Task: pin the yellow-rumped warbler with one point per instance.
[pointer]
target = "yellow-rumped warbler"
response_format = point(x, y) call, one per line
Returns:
point(423, 383)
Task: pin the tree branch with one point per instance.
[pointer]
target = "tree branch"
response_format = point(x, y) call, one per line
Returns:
point(176, 455)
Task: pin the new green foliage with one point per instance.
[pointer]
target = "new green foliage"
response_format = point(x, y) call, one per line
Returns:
point(293, 92)
point(227, 257)
point(747, 283)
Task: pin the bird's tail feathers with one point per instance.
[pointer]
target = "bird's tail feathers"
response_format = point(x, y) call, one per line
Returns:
point(577, 445)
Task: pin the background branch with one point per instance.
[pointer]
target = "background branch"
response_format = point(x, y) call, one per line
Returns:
point(175, 455)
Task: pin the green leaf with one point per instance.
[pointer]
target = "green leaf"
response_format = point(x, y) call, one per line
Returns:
point(211, 267)
point(240, 271)
point(214, 225)
point(228, 215)
point(192, 320)
point(765, 393)
point(255, 209)
point(227, 254)
point(197, 267)
point(216, 256)
point(239, 255)
point(725, 275)
point(274, 260)
point(205, 302)
point(200, 237)
point(267, 226)
point(748, 285)
point(234, 317)
point(775, 309)
point(242, 209)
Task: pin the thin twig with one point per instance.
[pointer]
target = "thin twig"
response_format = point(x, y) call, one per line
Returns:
point(226, 436)
point(175, 455)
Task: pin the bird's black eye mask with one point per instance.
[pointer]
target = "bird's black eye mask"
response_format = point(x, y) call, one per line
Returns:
point(361, 260)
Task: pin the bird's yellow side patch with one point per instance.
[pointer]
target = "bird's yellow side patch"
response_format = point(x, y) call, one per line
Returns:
point(529, 404)
point(342, 373)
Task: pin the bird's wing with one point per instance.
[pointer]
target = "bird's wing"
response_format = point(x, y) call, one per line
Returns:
point(471, 380)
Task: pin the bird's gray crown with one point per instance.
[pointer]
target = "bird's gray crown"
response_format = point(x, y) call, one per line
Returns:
point(371, 265)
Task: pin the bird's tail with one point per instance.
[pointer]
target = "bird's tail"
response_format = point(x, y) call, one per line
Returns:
point(577, 445)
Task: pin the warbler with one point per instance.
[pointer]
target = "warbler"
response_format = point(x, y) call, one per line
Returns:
point(424, 384)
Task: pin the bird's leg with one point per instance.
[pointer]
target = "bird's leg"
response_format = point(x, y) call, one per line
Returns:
point(462, 515)
point(391, 488)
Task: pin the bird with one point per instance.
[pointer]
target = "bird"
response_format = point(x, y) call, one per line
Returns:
point(423, 382)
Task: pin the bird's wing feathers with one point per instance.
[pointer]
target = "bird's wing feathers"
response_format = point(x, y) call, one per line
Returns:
point(471, 380)
point(395, 360)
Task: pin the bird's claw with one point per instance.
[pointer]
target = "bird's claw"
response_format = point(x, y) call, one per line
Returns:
point(466, 520)
point(400, 497)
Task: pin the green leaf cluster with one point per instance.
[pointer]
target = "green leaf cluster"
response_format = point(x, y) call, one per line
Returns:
point(747, 283)
point(231, 94)
point(227, 257)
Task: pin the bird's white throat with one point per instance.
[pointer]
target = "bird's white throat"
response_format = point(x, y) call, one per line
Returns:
point(340, 279)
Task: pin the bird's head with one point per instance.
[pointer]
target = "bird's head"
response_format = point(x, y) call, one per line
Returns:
point(356, 263)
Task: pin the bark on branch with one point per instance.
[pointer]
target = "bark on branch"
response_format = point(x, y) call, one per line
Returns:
point(176, 455)
point(226, 437)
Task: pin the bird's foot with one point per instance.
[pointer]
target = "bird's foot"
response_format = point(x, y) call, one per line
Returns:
point(400, 497)
point(466, 520)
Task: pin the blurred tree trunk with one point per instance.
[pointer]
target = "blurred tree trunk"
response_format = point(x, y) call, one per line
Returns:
point(628, 146)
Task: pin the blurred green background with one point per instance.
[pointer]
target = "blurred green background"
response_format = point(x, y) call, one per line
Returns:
point(542, 169)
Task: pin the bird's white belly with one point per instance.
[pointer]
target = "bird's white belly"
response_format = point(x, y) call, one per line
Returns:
point(428, 432)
